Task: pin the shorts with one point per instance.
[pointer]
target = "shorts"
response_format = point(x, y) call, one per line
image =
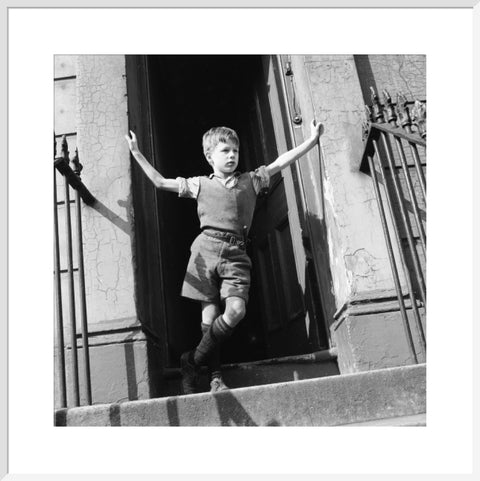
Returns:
point(216, 270)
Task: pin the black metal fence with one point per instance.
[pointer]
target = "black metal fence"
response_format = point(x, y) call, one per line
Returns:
point(72, 236)
point(395, 158)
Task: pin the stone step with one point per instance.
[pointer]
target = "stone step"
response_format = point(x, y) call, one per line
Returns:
point(267, 371)
point(415, 420)
point(328, 401)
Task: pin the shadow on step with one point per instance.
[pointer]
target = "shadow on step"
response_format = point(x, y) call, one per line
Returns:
point(269, 371)
point(230, 412)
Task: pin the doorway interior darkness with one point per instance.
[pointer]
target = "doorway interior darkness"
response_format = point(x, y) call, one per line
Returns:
point(188, 95)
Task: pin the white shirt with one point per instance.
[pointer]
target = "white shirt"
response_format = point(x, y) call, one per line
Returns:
point(190, 186)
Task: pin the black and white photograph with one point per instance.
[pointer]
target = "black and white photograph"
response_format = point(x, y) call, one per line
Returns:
point(243, 230)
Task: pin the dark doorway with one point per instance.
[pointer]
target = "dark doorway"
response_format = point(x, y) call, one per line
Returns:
point(187, 96)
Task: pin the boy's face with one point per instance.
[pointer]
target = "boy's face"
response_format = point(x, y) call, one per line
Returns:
point(224, 158)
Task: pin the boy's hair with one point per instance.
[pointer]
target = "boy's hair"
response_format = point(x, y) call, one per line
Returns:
point(216, 135)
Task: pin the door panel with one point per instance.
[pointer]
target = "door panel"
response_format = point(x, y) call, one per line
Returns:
point(281, 300)
point(303, 189)
point(149, 292)
point(283, 297)
point(292, 301)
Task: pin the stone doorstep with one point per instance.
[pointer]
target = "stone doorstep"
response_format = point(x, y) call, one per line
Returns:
point(266, 371)
point(384, 394)
point(309, 358)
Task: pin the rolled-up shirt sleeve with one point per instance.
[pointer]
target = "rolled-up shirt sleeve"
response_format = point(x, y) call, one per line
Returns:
point(260, 179)
point(188, 188)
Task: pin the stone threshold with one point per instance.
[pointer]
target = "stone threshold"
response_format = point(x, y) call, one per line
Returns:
point(326, 355)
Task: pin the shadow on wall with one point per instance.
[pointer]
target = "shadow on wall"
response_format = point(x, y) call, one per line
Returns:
point(153, 351)
point(103, 210)
point(318, 270)
point(131, 374)
point(365, 73)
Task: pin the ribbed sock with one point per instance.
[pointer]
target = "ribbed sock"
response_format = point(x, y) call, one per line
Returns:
point(218, 332)
point(213, 362)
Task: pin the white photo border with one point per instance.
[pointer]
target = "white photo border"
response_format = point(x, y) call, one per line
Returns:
point(32, 167)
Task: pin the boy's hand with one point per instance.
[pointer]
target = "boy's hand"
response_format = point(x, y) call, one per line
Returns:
point(132, 142)
point(316, 129)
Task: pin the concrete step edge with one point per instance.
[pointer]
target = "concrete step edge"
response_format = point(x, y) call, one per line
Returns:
point(413, 420)
point(332, 400)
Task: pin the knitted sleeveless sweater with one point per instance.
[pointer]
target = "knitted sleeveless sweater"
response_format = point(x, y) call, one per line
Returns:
point(225, 209)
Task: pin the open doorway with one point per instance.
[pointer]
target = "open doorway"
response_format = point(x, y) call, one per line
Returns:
point(187, 96)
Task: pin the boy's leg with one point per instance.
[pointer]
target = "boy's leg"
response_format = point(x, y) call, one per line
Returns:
point(234, 310)
point(214, 368)
point(221, 328)
point(210, 312)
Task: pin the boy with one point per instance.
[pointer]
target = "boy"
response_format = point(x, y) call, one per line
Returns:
point(218, 272)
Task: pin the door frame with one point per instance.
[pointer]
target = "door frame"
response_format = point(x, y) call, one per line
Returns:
point(149, 271)
point(140, 121)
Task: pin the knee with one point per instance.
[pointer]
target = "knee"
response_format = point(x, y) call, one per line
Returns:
point(235, 310)
point(209, 315)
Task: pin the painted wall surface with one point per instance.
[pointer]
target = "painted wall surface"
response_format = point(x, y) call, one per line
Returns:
point(357, 252)
point(91, 110)
point(369, 340)
point(395, 73)
point(334, 90)
point(65, 125)
point(123, 369)
point(101, 117)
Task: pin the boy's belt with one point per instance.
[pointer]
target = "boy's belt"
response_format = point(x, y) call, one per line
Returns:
point(226, 237)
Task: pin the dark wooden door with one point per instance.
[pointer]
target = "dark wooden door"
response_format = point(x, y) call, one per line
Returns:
point(275, 280)
point(149, 288)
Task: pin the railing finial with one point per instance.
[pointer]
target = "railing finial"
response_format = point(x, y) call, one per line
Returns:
point(65, 153)
point(368, 113)
point(403, 112)
point(377, 108)
point(419, 117)
point(391, 116)
point(366, 123)
point(77, 166)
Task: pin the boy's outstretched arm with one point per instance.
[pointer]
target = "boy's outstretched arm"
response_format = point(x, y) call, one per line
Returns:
point(291, 156)
point(158, 180)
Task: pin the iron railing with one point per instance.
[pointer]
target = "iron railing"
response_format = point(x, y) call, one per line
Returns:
point(71, 179)
point(395, 158)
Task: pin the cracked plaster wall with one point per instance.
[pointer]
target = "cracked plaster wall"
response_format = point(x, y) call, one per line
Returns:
point(120, 373)
point(396, 73)
point(101, 117)
point(358, 256)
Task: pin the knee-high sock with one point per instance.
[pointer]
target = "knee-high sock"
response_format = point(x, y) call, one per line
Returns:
point(213, 362)
point(218, 332)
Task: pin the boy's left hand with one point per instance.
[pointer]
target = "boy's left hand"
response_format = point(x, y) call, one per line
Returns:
point(316, 129)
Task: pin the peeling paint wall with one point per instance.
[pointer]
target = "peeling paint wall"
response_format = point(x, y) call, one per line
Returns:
point(91, 110)
point(122, 371)
point(396, 73)
point(334, 90)
point(358, 256)
point(101, 117)
point(65, 125)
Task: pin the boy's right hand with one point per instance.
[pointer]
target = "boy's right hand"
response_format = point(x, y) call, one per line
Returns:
point(132, 142)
